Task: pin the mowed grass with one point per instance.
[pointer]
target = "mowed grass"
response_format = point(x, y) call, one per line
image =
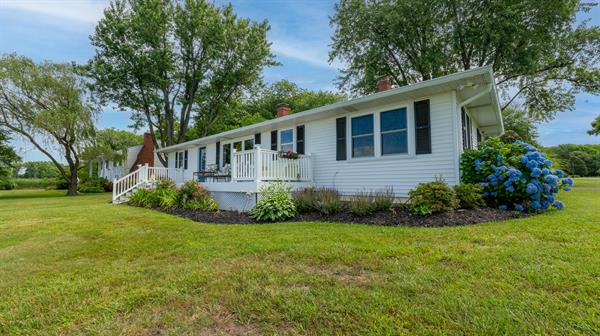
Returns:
point(83, 266)
point(587, 182)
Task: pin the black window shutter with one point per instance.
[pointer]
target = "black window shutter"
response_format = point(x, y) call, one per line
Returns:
point(185, 160)
point(478, 136)
point(422, 127)
point(218, 154)
point(257, 139)
point(300, 139)
point(340, 135)
point(274, 140)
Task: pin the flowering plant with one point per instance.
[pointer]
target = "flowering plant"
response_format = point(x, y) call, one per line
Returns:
point(289, 154)
point(192, 195)
point(516, 176)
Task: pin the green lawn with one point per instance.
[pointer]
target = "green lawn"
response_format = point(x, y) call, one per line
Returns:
point(587, 182)
point(83, 266)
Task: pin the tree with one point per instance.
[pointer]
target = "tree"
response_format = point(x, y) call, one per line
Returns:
point(517, 126)
point(262, 103)
point(595, 127)
point(39, 169)
point(582, 160)
point(541, 57)
point(111, 144)
point(174, 61)
point(8, 157)
point(48, 104)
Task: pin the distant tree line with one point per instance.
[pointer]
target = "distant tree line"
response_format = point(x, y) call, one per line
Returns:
point(581, 160)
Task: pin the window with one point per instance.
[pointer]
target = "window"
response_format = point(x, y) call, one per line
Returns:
point(248, 144)
point(394, 137)
point(362, 136)
point(181, 159)
point(237, 146)
point(286, 140)
point(226, 154)
point(466, 130)
point(422, 127)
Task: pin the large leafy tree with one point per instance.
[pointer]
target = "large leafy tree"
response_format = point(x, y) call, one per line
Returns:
point(595, 127)
point(171, 62)
point(48, 104)
point(8, 157)
point(111, 143)
point(541, 56)
point(582, 160)
point(517, 126)
point(261, 104)
point(39, 169)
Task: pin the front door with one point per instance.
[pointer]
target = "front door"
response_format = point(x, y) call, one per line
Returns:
point(201, 163)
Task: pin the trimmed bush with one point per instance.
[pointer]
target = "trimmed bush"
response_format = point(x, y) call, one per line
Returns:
point(384, 199)
point(90, 189)
point(514, 176)
point(434, 196)
point(328, 201)
point(276, 204)
point(362, 204)
point(6, 184)
point(469, 195)
point(92, 185)
point(193, 195)
point(306, 199)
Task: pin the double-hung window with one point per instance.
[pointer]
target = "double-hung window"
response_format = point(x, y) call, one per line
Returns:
point(181, 159)
point(249, 144)
point(363, 143)
point(286, 140)
point(394, 134)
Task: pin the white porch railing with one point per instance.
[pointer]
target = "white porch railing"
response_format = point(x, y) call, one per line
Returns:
point(143, 175)
point(267, 165)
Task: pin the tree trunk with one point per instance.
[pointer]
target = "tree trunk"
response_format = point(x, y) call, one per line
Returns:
point(72, 191)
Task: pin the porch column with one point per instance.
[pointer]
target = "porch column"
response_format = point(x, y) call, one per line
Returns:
point(233, 165)
point(257, 163)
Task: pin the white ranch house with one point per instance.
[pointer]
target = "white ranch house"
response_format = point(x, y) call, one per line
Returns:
point(397, 138)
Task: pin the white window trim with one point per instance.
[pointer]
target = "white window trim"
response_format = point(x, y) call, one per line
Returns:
point(279, 144)
point(394, 131)
point(351, 137)
point(377, 134)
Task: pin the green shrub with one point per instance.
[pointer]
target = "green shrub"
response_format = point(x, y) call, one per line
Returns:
point(167, 197)
point(469, 195)
point(6, 184)
point(362, 204)
point(192, 195)
point(422, 210)
point(141, 197)
point(61, 184)
point(34, 183)
point(276, 204)
point(90, 189)
point(436, 195)
point(306, 199)
point(107, 186)
point(328, 201)
point(166, 184)
point(384, 199)
point(91, 185)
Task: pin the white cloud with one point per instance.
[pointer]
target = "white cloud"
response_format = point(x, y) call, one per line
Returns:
point(82, 11)
point(312, 52)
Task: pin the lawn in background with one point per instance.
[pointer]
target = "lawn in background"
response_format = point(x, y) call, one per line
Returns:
point(79, 265)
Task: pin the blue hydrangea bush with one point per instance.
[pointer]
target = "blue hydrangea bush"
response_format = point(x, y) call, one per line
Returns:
point(514, 176)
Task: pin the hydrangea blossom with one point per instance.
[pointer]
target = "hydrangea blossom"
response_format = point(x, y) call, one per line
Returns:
point(516, 176)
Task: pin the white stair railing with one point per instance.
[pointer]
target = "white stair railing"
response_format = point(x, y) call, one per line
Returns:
point(144, 174)
point(129, 182)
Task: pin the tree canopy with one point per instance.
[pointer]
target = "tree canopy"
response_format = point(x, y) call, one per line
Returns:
point(111, 144)
point(540, 55)
point(39, 169)
point(581, 160)
point(595, 127)
point(49, 105)
point(8, 156)
point(261, 104)
point(171, 62)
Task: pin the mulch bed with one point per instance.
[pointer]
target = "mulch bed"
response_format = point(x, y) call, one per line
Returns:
point(396, 217)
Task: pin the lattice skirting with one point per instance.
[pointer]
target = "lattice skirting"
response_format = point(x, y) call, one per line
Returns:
point(235, 201)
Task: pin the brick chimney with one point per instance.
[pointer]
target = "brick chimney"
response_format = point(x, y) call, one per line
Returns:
point(383, 84)
point(282, 110)
point(146, 153)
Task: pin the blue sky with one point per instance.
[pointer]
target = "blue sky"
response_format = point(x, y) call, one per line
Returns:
point(58, 30)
